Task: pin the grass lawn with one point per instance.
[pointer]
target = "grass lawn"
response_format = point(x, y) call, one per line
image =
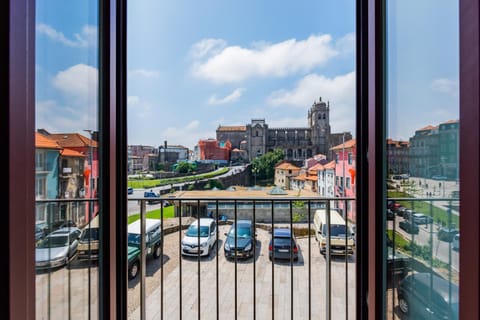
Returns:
point(154, 214)
point(400, 241)
point(438, 214)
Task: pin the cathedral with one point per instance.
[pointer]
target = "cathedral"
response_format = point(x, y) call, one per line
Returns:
point(256, 138)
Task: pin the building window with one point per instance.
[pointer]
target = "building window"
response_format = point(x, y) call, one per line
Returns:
point(40, 188)
point(347, 182)
point(336, 158)
point(40, 161)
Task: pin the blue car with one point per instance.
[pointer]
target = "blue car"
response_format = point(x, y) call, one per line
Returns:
point(130, 190)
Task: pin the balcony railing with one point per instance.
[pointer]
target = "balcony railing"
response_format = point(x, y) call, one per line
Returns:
point(178, 282)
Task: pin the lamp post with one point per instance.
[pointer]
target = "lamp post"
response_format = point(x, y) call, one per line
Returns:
point(90, 184)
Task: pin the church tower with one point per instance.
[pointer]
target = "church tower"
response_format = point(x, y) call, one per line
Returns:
point(319, 124)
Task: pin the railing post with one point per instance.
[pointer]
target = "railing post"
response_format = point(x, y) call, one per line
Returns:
point(142, 260)
point(328, 284)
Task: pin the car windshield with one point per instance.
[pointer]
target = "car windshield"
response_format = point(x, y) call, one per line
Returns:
point(134, 238)
point(338, 230)
point(281, 241)
point(53, 242)
point(243, 232)
point(90, 234)
point(193, 231)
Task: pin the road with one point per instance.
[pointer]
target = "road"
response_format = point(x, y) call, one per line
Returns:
point(133, 206)
point(441, 250)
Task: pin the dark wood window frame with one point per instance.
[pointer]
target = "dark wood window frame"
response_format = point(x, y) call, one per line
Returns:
point(17, 125)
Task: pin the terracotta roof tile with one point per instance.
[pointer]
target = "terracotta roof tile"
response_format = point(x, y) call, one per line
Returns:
point(287, 166)
point(346, 145)
point(71, 153)
point(232, 128)
point(450, 121)
point(73, 140)
point(45, 143)
point(330, 165)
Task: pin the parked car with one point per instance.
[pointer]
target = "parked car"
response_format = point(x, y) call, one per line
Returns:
point(456, 242)
point(153, 197)
point(390, 215)
point(41, 230)
point(392, 205)
point(420, 218)
point(427, 296)
point(408, 213)
point(240, 240)
point(283, 245)
point(200, 241)
point(447, 233)
point(88, 244)
point(57, 248)
point(400, 211)
point(130, 190)
point(153, 242)
point(398, 265)
point(409, 227)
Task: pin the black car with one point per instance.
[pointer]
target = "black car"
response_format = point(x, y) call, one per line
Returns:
point(390, 215)
point(409, 227)
point(240, 240)
point(283, 245)
point(447, 234)
point(427, 296)
point(398, 266)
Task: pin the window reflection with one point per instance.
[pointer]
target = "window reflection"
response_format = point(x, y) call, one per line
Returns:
point(422, 217)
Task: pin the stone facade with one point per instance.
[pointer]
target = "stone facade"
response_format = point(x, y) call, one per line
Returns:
point(298, 144)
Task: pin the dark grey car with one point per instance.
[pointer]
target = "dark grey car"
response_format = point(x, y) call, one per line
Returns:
point(240, 240)
point(428, 296)
point(283, 245)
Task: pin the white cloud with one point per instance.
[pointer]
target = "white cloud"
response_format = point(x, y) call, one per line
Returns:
point(232, 97)
point(221, 64)
point(86, 38)
point(207, 46)
point(339, 91)
point(78, 83)
point(346, 44)
point(300, 122)
point(55, 117)
point(142, 73)
point(445, 85)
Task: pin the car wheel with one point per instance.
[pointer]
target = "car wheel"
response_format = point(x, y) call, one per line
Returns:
point(157, 251)
point(403, 305)
point(133, 271)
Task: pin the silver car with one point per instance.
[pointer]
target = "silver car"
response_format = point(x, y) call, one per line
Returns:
point(57, 248)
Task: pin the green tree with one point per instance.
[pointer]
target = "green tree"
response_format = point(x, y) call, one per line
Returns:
point(264, 166)
point(184, 167)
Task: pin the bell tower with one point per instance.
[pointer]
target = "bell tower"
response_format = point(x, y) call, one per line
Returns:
point(319, 123)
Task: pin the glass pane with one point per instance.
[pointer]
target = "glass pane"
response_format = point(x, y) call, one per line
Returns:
point(219, 93)
point(66, 160)
point(422, 153)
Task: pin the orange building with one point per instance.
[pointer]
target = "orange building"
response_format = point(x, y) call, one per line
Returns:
point(211, 150)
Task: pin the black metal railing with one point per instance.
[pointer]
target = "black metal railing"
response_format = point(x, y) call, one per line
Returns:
point(266, 214)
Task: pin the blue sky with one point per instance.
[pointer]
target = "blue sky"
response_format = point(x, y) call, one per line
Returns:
point(193, 66)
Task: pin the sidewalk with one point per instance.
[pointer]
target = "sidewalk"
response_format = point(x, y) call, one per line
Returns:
point(437, 189)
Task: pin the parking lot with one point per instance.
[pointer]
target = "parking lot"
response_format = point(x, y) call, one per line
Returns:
point(67, 291)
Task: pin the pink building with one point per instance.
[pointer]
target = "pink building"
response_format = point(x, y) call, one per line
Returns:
point(345, 169)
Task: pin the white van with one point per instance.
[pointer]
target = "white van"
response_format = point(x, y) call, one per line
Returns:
point(341, 238)
point(88, 243)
